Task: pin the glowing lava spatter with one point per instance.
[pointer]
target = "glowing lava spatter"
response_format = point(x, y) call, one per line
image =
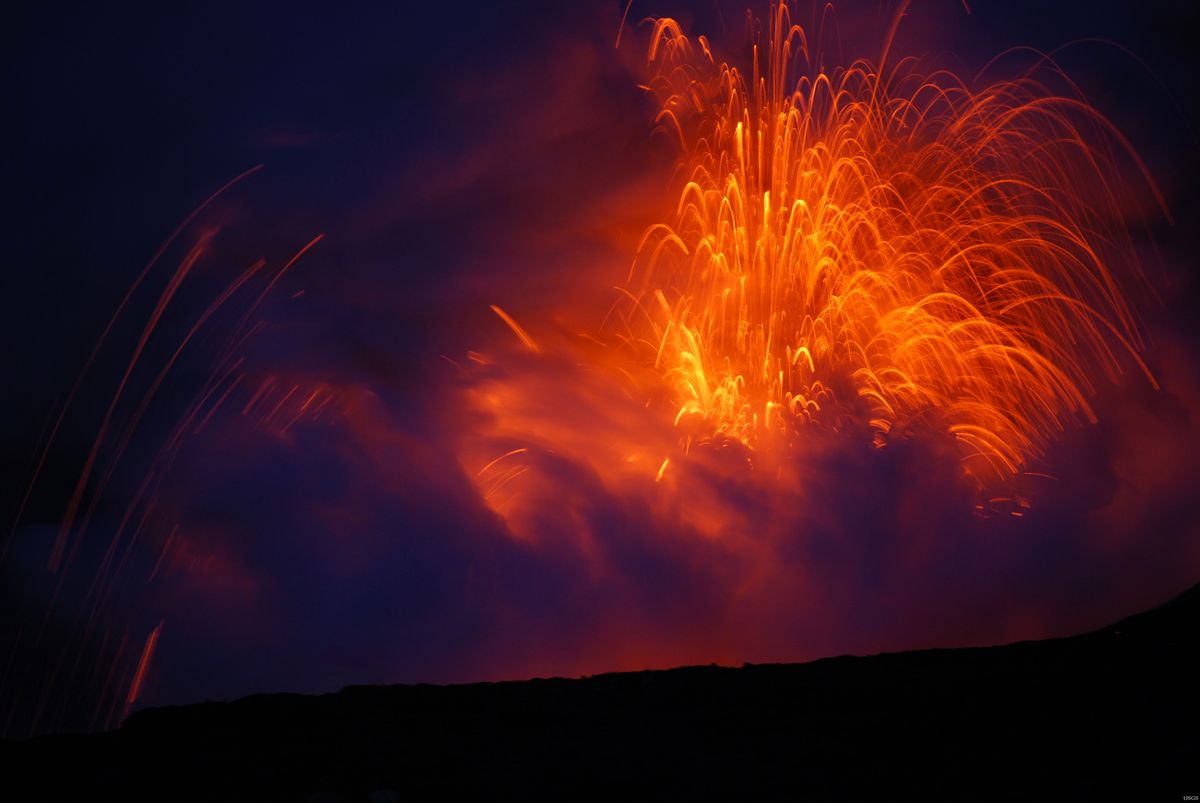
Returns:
point(879, 249)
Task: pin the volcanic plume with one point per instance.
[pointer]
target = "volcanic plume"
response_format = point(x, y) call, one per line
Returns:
point(870, 253)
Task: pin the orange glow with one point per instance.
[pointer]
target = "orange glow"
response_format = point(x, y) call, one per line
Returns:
point(872, 249)
point(853, 258)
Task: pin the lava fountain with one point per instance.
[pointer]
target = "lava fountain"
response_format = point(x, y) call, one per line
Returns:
point(870, 253)
point(877, 248)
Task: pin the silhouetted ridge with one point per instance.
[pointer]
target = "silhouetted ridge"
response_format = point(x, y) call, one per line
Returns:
point(1110, 713)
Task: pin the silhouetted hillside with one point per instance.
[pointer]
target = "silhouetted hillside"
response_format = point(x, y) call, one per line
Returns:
point(1104, 715)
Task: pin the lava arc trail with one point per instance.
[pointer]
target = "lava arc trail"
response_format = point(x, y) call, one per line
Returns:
point(867, 254)
point(878, 247)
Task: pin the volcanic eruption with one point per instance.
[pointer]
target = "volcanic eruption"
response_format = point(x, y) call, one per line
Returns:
point(872, 250)
point(790, 354)
point(876, 244)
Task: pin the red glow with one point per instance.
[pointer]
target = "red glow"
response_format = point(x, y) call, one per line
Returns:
point(143, 664)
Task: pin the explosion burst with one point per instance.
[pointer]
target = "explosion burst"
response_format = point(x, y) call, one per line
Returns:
point(872, 248)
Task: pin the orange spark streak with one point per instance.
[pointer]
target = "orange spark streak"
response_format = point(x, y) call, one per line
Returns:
point(517, 329)
point(143, 664)
point(96, 351)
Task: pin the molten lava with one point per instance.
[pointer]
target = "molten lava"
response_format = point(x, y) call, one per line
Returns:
point(879, 250)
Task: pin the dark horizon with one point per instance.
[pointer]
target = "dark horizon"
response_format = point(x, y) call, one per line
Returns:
point(1051, 718)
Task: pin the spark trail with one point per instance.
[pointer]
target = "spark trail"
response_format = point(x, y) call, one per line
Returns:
point(876, 249)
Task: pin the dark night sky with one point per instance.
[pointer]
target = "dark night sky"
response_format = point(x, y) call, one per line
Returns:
point(492, 153)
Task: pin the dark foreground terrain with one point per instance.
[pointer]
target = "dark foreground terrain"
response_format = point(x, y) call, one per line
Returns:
point(1108, 715)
